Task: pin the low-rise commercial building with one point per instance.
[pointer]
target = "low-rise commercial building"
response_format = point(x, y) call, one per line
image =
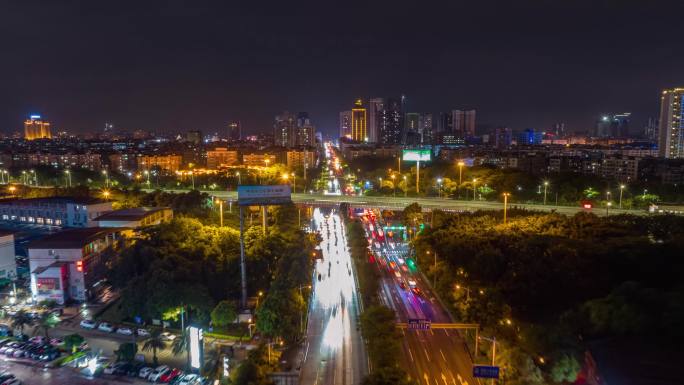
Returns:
point(70, 265)
point(53, 211)
point(135, 217)
point(8, 263)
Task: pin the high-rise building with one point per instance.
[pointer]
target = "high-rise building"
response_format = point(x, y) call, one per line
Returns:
point(234, 131)
point(284, 128)
point(345, 124)
point(425, 128)
point(503, 137)
point(411, 123)
point(613, 125)
point(359, 126)
point(445, 123)
point(305, 131)
point(651, 130)
point(671, 126)
point(194, 136)
point(375, 108)
point(36, 128)
point(463, 123)
point(391, 122)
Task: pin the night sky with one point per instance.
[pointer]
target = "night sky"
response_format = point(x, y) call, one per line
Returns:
point(180, 65)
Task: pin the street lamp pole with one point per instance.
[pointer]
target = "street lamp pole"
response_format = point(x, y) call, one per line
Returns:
point(106, 174)
point(505, 195)
point(394, 185)
point(622, 187)
point(439, 187)
point(546, 185)
point(220, 202)
point(239, 178)
point(474, 188)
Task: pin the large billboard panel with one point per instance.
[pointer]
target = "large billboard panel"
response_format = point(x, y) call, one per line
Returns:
point(196, 347)
point(416, 155)
point(264, 195)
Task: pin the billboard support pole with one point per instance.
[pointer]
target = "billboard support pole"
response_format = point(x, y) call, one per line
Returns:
point(263, 220)
point(243, 267)
point(417, 177)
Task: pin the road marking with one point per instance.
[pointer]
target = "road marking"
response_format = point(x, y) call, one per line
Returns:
point(446, 332)
point(444, 379)
point(425, 376)
point(442, 353)
point(431, 332)
point(426, 354)
point(410, 354)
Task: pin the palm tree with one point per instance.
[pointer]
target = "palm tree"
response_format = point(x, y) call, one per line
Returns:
point(154, 343)
point(20, 320)
point(46, 322)
point(181, 345)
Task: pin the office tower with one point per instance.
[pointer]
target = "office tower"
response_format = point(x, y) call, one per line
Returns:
point(234, 131)
point(345, 124)
point(284, 128)
point(613, 125)
point(375, 108)
point(391, 121)
point(425, 128)
point(651, 130)
point(671, 126)
point(411, 122)
point(463, 123)
point(359, 126)
point(36, 128)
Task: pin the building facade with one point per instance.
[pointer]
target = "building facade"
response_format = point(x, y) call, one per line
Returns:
point(299, 159)
point(165, 163)
point(136, 217)
point(221, 157)
point(345, 124)
point(36, 128)
point(671, 126)
point(8, 263)
point(359, 124)
point(258, 159)
point(54, 211)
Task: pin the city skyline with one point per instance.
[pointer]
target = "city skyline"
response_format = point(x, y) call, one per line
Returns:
point(195, 67)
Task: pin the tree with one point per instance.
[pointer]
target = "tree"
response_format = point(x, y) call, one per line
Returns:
point(72, 342)
point(126, 351)
point(224, 313)
point(565, 369)
point(20, 320)
point(387, 376)
point(413, 215)
point(46, 322)
point(181, 345)
point(154, 343)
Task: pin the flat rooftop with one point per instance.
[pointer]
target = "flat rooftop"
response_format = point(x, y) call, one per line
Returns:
point(54, 200)
point(73, 238)
point(132, 214)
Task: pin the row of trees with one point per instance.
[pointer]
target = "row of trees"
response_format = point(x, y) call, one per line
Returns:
point(545, 284)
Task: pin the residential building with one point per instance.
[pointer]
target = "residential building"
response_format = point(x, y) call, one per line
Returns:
point(305, 132)
point(165, 163)
point(391, 123)
point(90, 161)
point(53, 211)
point(410, 133)
point(36, 128)
point(503, 137)
point(613, 125)
point(194, 137)
point(671, 126)
point(8, 264)
point(284, 128)
point(651, 130)
point(259, 159)
point(299, 159)
point(463, 123)
point(123, 162)
point(221, 157)
point(134, 218)
point(70, 265)
point(621, 168)
point(359, 126)
point(425, 128)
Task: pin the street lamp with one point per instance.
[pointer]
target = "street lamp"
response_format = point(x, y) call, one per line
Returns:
point(439, 187)
point(546, 185)
point(394, 186)
point(106, 175)
point(68, 174)
point(622, 188)
point(460, 172)
point(239, 178)
point(505, 195)
point(105, 194)
point(220, 202)
point(608, 204)
point(147, 173)
point(35, 178)
point(405, 187)
point(474, 189)
point(294, 182)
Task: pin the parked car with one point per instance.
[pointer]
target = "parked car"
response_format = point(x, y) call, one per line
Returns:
point(158, 372)
point(166, 336)
point(134, 369)
point(105, 327)
point(19, 352)
point(145, 372)
point(56, 341)
point(188, 379)
point(125, 331)
point(49, 355)
point(142, 332)
point(10, 346)
point(88, 324)
point(11, 381)
point(109, 368)
point(170, 375)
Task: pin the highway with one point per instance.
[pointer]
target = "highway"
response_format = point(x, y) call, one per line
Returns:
point(431, 357)
point(334, 349)
point(390, 202)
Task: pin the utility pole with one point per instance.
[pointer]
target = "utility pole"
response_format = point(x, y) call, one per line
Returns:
point(243, 266)
point(546, 184)
point(622, 188)
point(417, 177)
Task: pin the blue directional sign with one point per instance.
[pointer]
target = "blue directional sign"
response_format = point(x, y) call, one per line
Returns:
point(484, 371)
point(419, 324)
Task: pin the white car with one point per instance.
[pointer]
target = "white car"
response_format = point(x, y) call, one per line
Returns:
point(188, 379)
point(88, 324)
point(397, 274)
point(105, 327)
point(412, 282)
point(166, 336)
point(401, 260)
point(158, 372)
point(125, 331)
point(143, 332)
point(145, 372)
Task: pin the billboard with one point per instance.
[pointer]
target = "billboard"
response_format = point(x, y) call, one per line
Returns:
point(416, 155)
point(485, 371)
point(263, 195)
point(196, 347)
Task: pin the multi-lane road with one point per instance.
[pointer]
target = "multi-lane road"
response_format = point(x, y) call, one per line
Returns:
point(334, 349)
point(431, 357)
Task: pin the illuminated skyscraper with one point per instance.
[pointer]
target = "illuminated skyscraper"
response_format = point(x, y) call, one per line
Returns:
point(391, 119)
point(359, 126)
point(375, 108)
point(234, 131)
point(35, 128)
point(671, 127)
point(345, 124)
point(284, 129)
